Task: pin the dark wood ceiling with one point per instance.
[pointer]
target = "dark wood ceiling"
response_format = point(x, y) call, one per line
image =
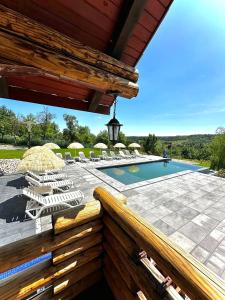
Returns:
point(119, 28)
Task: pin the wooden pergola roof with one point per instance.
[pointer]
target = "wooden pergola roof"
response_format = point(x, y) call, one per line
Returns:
point(75, 54)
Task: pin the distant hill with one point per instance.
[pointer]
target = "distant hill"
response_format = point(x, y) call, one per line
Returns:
point(194, 138)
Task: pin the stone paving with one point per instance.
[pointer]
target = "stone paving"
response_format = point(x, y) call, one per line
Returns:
point(189, 208)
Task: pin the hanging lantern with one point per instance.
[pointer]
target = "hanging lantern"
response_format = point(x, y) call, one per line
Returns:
point(114, 127)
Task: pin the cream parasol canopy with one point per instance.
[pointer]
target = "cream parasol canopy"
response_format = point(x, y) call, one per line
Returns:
point(119, 145)
point(32, 150)
point(41, 162)
point(100, 146)
point(51, 146)
point(75, 145)
point(134, 145)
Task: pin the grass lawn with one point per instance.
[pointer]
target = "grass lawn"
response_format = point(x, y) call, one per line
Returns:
point(202, 163)
point(19, 153)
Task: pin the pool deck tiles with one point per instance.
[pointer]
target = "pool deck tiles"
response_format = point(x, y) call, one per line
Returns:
point(189, 208)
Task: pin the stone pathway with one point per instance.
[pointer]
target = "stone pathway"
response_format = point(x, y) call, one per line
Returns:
point(189, 209)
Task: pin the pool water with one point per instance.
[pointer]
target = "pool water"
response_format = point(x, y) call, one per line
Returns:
point(129, 174)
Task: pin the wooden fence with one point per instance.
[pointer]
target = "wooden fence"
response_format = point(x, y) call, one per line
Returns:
point(105, 239)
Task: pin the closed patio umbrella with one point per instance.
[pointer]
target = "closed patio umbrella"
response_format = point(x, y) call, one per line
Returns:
point(134, 145)
point(41, 162)
point(32, 150)
point(51, 146)
point(75, 146)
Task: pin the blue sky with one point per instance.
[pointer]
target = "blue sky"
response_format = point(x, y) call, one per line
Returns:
point(182, 77)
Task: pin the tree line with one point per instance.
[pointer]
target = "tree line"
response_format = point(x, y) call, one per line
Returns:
point(31, 130)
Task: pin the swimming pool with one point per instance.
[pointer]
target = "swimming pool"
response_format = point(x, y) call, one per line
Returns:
point(129, 174)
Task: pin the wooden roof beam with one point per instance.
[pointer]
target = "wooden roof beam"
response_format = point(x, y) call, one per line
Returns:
point(27, 53)
point(130, 16)
point(29, 29)
point(52, 100)
point(3, 88)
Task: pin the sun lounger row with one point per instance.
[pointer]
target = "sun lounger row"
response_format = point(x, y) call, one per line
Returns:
point(125, 154)
point(56, 183)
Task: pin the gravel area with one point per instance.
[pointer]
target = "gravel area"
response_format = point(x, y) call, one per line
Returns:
point(8, 166)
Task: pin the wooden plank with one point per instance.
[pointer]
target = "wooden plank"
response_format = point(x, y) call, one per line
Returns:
point(131, 248)
point(46, 99)
point(70, 250)
point(190, 276)
point(115, 282)
point(75, 276)
point(26, 285)
point(74, 217)
point(19, 252)
point(25, 52)
point(138, 273)
point(74, 290)
point(3, 88)
point(27, 28)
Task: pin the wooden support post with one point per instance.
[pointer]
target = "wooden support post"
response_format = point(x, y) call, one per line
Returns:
point(3, 88)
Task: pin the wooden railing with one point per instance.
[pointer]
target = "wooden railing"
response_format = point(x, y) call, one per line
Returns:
point(125, 235)
point(76, 246)
point(100, 238)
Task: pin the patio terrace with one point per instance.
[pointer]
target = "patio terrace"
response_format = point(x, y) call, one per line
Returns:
point(188, 208)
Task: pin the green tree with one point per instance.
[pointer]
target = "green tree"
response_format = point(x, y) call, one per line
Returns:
point(102, 137)
point(85, 136)
point(45, 119)
point(150, 143)
point(6, 119)
point(122, 138)
point(218, 150)
point(71, 132)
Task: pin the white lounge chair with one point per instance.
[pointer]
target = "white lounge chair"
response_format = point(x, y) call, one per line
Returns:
point(68, 158)
point(93, 157)
point(127, 152)
point(60, 185)
point(123, 155)
point(59, 155)
point(136, 152)
point(106, 156)
point(82, 157)
point(114, 156)
point(46, 178)
point(38, 203)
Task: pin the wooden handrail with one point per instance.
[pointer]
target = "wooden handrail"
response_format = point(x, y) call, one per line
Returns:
point(190, 275)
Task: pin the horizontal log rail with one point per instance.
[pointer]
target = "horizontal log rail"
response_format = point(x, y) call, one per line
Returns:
point(24, 27)
point(191, 276)
point(24, 52)
point(85, 222)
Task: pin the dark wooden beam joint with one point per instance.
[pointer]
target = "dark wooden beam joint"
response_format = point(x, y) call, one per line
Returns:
point(129, 17)
point(4, 93)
